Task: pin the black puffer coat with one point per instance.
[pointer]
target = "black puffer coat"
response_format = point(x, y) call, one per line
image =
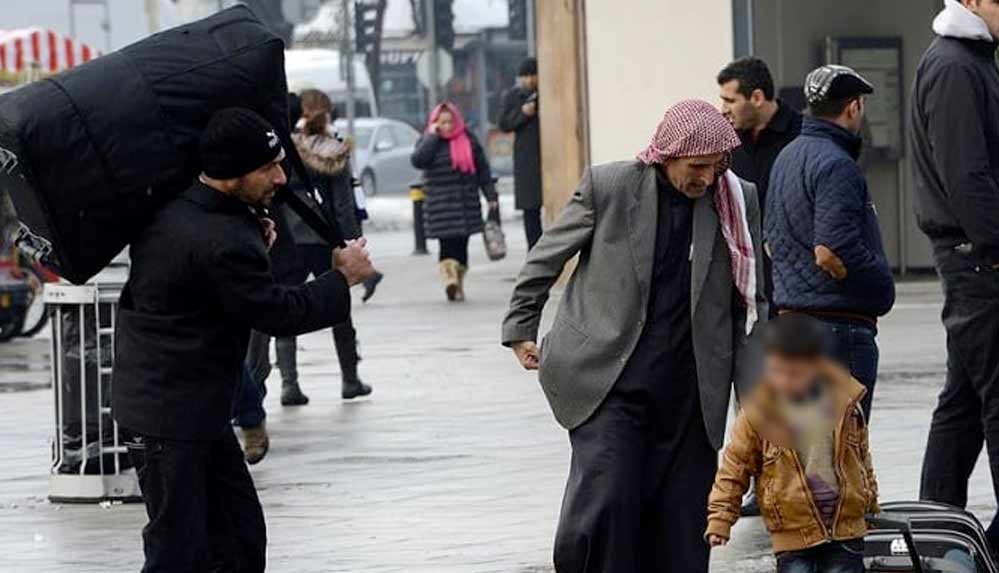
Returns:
point(452, 206)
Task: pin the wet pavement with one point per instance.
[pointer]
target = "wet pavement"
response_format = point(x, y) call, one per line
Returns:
point(453, 464)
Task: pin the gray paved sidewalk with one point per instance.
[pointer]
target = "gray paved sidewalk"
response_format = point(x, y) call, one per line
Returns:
point(453, 464)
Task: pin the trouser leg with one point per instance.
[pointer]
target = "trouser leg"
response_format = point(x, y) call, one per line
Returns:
point(454, 248)
point(345, 341)
point(599, 523)
point(532, 226)
point(855, 347)
point(676, 509)
point(235, 507)
point(287, 359)
point(250, 411)
point(968, 409)
point(172, 477)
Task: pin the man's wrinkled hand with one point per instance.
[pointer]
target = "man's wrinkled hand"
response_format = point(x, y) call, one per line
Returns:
point(527, 354)
point(529, 109)
point(354, 262)
point(717, 540)
point(827, 260)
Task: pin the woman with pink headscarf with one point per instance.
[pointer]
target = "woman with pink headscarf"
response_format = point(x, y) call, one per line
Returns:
point(455, 172)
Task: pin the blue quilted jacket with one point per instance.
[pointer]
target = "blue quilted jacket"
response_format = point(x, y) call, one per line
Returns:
point(818, 196)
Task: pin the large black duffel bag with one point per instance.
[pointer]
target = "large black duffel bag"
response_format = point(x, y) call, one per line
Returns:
point(89, 155)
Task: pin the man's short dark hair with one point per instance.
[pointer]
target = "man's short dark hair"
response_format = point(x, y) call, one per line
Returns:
point(795, 336)
point(752, 74)
point(830, 109)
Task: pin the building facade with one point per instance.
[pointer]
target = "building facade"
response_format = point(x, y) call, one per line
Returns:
point(630, 63)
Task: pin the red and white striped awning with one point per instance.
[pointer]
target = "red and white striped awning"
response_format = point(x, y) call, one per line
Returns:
point(52, 52)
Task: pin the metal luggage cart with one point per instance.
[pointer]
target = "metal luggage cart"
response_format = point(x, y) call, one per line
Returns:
point(89, 459)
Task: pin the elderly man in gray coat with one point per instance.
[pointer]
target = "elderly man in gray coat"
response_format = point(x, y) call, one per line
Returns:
point(649, 337)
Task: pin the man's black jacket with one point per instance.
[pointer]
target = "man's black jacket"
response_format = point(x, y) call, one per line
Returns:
point(200, 281)
point(954, 129)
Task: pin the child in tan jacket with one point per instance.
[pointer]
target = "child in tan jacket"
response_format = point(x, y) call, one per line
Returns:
point(802, 435)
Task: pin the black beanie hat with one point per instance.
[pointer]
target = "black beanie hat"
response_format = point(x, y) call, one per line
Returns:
point(237, 141)
point(529, 67)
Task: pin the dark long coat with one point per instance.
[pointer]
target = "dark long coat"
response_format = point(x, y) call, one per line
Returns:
point(526, 148)
point(452, 207)
point(200, 281)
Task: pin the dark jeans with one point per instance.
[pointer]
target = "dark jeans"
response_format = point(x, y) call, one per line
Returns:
point(250, 411)
point(833, 557)
point(532, 226)
point(455, 248)
point(967, 412)
point(204, 514)
point(853, 345)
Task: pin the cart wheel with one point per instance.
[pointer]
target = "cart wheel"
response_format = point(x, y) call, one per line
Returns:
point(36, 316)
point(10, 329)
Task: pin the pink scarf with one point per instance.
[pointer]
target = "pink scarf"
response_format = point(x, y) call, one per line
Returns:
point(462, 158)
point(692, 128)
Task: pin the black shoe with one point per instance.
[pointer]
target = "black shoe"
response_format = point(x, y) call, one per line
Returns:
point(351, 390)
point(370, 285)
point(291, 395)
point(750, 507)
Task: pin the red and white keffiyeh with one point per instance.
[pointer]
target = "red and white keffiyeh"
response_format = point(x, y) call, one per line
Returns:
point(694, 128)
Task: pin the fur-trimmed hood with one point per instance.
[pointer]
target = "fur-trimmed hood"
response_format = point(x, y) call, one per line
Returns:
point(323, 153)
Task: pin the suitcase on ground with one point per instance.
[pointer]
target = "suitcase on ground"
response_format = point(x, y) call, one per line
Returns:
point(926, 537)
point(89, 155)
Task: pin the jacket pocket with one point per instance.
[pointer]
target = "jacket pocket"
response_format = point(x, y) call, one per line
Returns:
point(564, 339)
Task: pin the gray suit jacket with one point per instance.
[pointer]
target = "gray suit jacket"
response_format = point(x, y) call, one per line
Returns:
point(610, 222)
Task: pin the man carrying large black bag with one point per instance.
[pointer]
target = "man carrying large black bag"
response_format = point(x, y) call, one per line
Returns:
point(200, 282)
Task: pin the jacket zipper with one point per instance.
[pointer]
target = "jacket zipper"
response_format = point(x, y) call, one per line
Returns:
point(811, 496)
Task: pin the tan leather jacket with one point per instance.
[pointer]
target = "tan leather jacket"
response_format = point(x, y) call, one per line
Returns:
point(763, 450)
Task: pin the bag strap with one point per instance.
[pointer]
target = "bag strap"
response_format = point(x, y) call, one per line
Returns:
point(328, 229)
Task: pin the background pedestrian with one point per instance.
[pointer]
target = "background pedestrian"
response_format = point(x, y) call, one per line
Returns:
point(954, 129)
point(455, 171)
point(520, 116)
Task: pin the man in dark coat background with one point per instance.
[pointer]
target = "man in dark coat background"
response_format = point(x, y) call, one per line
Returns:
point(520, 116)
point(200, 281)
point(954, 120)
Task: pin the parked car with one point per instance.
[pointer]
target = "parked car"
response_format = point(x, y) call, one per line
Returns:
point(382, 150)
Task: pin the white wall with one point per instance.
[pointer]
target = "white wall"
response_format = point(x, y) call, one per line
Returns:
point(643, 55)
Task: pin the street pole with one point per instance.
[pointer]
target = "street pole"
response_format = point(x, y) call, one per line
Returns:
point(532, 44)
point(347, 48)
point(431, 25)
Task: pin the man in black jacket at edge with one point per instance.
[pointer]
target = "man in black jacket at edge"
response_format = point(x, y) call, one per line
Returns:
point(200, 281)
point(520, 116)
point(954, 121)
